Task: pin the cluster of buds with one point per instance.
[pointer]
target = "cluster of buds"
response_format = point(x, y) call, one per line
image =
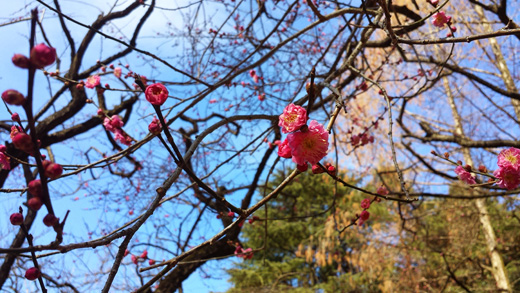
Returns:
point(316, 169)
point(361, 139)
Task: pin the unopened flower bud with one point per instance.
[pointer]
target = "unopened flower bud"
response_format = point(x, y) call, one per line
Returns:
point(13, 97)
point(32, 274)
point(22, 141)
point(53, 170)
point(34, 203)
point(16, 219)
point(21, 61)
point(317, 169)
point(35, 187)
point(303, 167)
point(50, 220)
point(42, 55)
point(15, 117)
point(155, 126)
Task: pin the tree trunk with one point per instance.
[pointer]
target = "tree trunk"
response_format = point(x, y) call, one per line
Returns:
point(499, 272)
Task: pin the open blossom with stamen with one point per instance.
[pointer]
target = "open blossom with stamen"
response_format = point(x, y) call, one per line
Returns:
point(117, 72)
point(509, 177)
point(292, 118)
point(92, 81)
point(464, 175)
point(440, 19)
point(509, 157)
point(309, 146)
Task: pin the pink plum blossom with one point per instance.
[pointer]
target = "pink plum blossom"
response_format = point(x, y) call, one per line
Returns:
point(113, 123)
point(381, 190)
point(464, 175)
point(156, 94)
point(509, 157)
point(117, 72)
point(292, 118)
point(309, 146)
point(509, 177)
point(92, 81)
point(440, 19)
point(365, 203)
point(363, 217)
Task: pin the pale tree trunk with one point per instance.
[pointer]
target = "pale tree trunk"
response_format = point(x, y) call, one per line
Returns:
point(498, 269)
point(500, 61)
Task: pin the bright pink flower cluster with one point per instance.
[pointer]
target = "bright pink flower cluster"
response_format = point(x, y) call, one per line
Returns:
point(114, 125)
point(508, 172)
point(440, 19)
point(305, 144)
